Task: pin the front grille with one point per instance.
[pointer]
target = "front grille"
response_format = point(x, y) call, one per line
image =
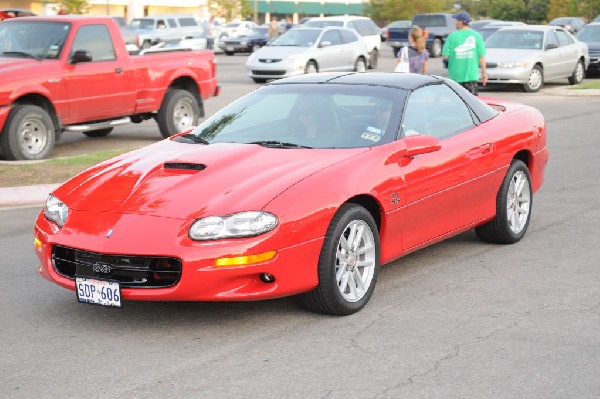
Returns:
point(268, 73)
point(269, 60)
point(130, 271)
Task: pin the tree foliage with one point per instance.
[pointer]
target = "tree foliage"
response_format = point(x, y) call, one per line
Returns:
point(383, 11)
point(72, 6)
point(229, 9)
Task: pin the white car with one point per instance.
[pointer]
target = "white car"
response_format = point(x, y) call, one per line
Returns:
point(530, 55)
point(235, 29)
point(366, 28)
point(308, 50)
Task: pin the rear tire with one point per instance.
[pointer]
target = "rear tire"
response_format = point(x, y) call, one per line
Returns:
point(99, 132)
point(348, 264)
point(513, 208)
point(373, 58)
point(179, 111)
point(229, 53)
point(28, 134)
point(578, 74)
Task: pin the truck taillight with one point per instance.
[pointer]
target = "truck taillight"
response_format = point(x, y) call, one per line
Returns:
point(425, 33)
point(137, 41)
point(387, 34)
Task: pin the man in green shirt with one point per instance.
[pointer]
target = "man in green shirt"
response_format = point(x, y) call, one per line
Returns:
point(464, 52)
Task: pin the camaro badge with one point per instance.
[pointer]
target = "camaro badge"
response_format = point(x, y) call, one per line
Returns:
point(109, 233)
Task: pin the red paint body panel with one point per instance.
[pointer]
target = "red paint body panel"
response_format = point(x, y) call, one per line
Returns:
point(94, 91)
point(417, 200)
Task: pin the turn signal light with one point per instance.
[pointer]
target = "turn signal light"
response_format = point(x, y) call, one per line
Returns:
point(245, 260)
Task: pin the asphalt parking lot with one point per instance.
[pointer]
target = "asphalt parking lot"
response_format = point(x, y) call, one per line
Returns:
point(460, 319)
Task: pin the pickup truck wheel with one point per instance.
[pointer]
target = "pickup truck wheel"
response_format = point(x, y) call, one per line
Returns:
point(229, 53)
point(179, 111)
point(99, 132)
point(28, 134)
point(436, 48)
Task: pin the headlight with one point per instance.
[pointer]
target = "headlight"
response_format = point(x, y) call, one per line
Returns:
point(56, 211)
point(512, 65)
point(243, 224)
point(243, 43)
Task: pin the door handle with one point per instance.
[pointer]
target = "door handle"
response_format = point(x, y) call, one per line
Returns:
point(118, 70)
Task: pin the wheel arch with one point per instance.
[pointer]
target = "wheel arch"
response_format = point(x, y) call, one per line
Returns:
point(42, 102)
point(371, 205)
point(189, 84)
point(525, 157)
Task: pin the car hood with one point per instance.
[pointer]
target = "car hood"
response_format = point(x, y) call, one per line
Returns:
point(10, 64)
point(280, 51)
point(163, 179)
point(246, 38)
point(510, 55)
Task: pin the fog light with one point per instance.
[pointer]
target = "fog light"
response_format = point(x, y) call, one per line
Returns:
point(267, 278)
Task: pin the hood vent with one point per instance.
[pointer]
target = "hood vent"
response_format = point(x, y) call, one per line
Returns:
point(185, 166)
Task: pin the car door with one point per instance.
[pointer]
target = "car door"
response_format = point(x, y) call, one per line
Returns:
point(451, 188)
point(552, 56)
point(330, 57)
point(103, 87)
point(568, 51)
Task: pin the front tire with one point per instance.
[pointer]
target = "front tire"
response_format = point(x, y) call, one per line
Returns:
point(578, 74)
point(348, 264)
point(535, 80)
point(360, 65)
point(513, 208)
point(28, 134)
point(311, 67)
point(179, 111)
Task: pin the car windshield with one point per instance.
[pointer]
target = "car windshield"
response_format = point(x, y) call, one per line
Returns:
point(527, 40)
point(257, 32)
point(297, 37)
point(306, 116)
point(321, 24)
point(589, 34)
point(142, 23)
point(560, 21)
point(487, 32)
point(40, 40)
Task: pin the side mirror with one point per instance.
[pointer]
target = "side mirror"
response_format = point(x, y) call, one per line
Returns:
point(413, 145)
point(81, 56)
point(551, 46)
point(325, 44)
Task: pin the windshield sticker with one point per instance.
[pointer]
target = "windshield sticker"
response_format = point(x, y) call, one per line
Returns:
point(371, 136)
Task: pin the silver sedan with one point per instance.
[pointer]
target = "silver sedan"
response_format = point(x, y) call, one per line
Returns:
point(308, 50)
point(531, 55)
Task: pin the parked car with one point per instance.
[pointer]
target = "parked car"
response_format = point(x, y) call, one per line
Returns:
point(530, 55)
point(198, 42)
point(308, 50)
point(476, 25)
point(572, 24)
point(488, 29)
point(73, 74)
point(151, 30)
point(366, 28)
point(6, 13)
point(248, 42)
point(590, 35)
point(436, 28)
point(214, 214)
point(235, 29)
point(397, 35)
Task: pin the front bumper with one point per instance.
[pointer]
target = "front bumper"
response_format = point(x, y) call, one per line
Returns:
point(294, 267)
point(274, 70)
point(508, 75)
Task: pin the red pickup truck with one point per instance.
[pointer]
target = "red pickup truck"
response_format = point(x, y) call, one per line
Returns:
point(73, 73)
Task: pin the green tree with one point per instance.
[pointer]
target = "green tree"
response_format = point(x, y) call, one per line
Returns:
point(71, 6)
point(382, 11)
point(229, 9)
point(508, 10)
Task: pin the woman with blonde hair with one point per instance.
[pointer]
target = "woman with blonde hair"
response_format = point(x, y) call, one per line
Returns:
point(417, 53)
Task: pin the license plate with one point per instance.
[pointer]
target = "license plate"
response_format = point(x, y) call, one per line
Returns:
point(98, 292)
point(229, 48)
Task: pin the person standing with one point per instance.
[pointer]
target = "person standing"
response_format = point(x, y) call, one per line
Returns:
point(464, 51)
point(417, 54)
point(273, 28)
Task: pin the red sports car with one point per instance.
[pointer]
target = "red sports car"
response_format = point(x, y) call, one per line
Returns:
point(304, 186)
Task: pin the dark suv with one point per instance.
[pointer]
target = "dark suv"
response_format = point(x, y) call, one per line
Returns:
point(436, 28)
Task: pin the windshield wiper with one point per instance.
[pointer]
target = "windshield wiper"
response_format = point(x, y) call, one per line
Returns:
point(190, 138)
point(22, 53)
point(278, 144)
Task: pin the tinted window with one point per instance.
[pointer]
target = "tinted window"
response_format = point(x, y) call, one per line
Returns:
point(348, 36)
point(563, 38)
point(95, 39)
point(172, 23)
point(451, 115)
point(589, 34)
point(187, 22)
point(531, 40)
point(425, 20)
point(297, 37)
point(142, 23)
point(332, 36)
point(366, 27)
point(551, 39)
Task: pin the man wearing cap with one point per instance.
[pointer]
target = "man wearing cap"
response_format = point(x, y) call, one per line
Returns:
point(464, 51)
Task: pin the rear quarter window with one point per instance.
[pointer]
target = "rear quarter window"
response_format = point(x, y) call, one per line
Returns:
point(187, 22)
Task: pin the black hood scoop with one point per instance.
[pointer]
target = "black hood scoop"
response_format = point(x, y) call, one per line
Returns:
point(184, 166)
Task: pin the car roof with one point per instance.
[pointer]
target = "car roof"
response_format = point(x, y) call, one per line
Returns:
point(339, 18)
point(531, 27)
point(387, 79)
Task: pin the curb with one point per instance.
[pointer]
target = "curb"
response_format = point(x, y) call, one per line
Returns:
point(568, 92)
point(26, 195)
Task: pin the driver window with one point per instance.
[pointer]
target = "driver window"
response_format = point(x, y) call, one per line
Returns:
point(436, 110)
point(95, 39)
point(332, 36)
point(551, 39)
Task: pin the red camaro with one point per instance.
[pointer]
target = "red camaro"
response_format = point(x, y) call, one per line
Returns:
point(304, 186)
